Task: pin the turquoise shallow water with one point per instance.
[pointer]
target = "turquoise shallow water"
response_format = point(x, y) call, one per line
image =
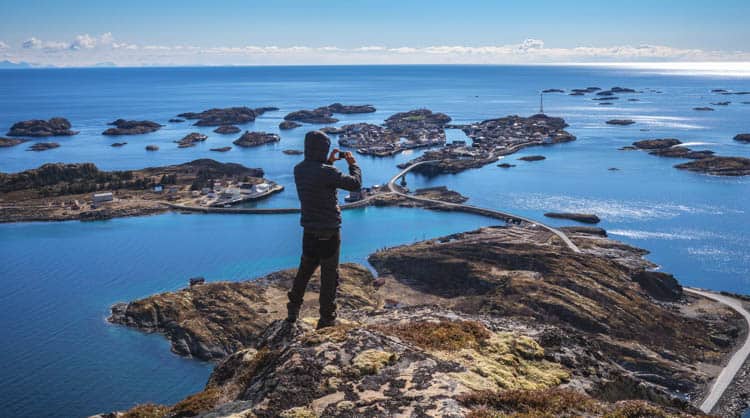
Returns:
point(60, 358)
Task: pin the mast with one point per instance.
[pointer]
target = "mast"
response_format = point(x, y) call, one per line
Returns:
point(541, 103)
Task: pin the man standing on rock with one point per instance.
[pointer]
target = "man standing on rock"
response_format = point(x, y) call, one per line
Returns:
point(317, 183)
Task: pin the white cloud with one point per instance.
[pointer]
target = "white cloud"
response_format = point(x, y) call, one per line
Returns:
point(3, 46)
point(86, 49)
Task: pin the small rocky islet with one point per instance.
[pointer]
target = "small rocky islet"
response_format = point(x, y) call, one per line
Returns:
point(131, 127)
point(226, 116)
point(705, 161)
point(11, 142)
point(227, 130)
point(191, 139)
point(324, 114)
point(515, 335)
point(254, 139)
point(586, 218)
point(38, 128)
point(44, 146)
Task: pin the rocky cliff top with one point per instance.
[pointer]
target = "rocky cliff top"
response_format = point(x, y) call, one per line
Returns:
point(496, 321)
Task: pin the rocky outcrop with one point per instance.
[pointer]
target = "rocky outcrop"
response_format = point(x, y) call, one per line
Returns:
point(44, 146)
point(416, 120)
point(253, 139)
point(227, 129)
point(131, 127)
point(681, 152)
point(293, 152)
point(533, 158)
point(176, 120)
point(216, 319)
point(721, 103)
point(704, 109)
point(321, 115)
point(221, 149)
point(553, 91)
point(42, 128)
point(586, 218)
point(350, 109)
point(742, 138)
point(621, 122)
point(719, 166)
point(225, 116)
point(152, 148)
point(659, 285)
point(498, 321)
point(11, 142)
point(118, 144)
point(289, 124)
point(656, 144)
point(191, 139)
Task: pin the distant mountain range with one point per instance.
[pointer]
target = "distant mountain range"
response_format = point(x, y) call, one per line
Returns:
point(10, 64)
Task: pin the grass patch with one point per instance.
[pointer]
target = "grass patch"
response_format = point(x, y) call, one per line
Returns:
point(532, 403)
point(444, 335)
point(147, 410)
point(196, 404)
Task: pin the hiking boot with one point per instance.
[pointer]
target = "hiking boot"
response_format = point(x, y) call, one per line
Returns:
point(325, 323)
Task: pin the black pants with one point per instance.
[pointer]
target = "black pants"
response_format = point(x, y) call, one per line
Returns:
point(319, 248)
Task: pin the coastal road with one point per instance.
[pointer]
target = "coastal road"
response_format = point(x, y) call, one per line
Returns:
point(475, 209)
point(735, 363)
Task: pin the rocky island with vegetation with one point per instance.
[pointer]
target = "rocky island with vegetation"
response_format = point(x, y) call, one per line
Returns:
point(57, 191)
point(704, 161)
point(226, 116)
point(42, 128)
point(501, 321)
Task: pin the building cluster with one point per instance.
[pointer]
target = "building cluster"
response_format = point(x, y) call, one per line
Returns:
point(381, 141)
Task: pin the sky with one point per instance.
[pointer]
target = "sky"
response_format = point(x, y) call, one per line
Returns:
point(166, 32)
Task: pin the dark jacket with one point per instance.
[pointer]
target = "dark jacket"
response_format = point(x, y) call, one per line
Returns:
point(317, 183)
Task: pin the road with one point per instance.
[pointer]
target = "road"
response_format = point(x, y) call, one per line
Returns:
point(475, 209)
point(735, 363)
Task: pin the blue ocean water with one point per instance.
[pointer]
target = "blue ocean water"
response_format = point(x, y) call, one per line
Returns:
point(60, 358)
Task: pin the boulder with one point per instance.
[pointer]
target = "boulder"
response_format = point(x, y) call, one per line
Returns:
point(42, 128)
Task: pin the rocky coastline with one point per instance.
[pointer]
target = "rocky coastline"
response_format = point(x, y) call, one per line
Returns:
point(528, 319)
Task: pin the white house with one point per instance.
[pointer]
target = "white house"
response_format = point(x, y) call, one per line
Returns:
point(103, 197)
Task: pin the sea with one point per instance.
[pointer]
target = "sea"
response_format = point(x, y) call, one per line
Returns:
point(60, 357)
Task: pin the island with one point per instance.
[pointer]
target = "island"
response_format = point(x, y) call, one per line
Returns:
point(58, 191)
point(11, 142)
point(742, 138)
point(586, 218)
point(118, 144)
point(323, 114)
point(131, 127)
point(492, 139)
point(221, 149)
point(227, 129)
point(289, 124)
point(226, 116)
point(253, 139)
point(621, 122)
point(719, 166)
point(191, 139)
point(531, 158)
point(704, 109)
point(705, 161)
point(44, 146)
point(42, 128)
point(152, 148)
point(491, 322)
